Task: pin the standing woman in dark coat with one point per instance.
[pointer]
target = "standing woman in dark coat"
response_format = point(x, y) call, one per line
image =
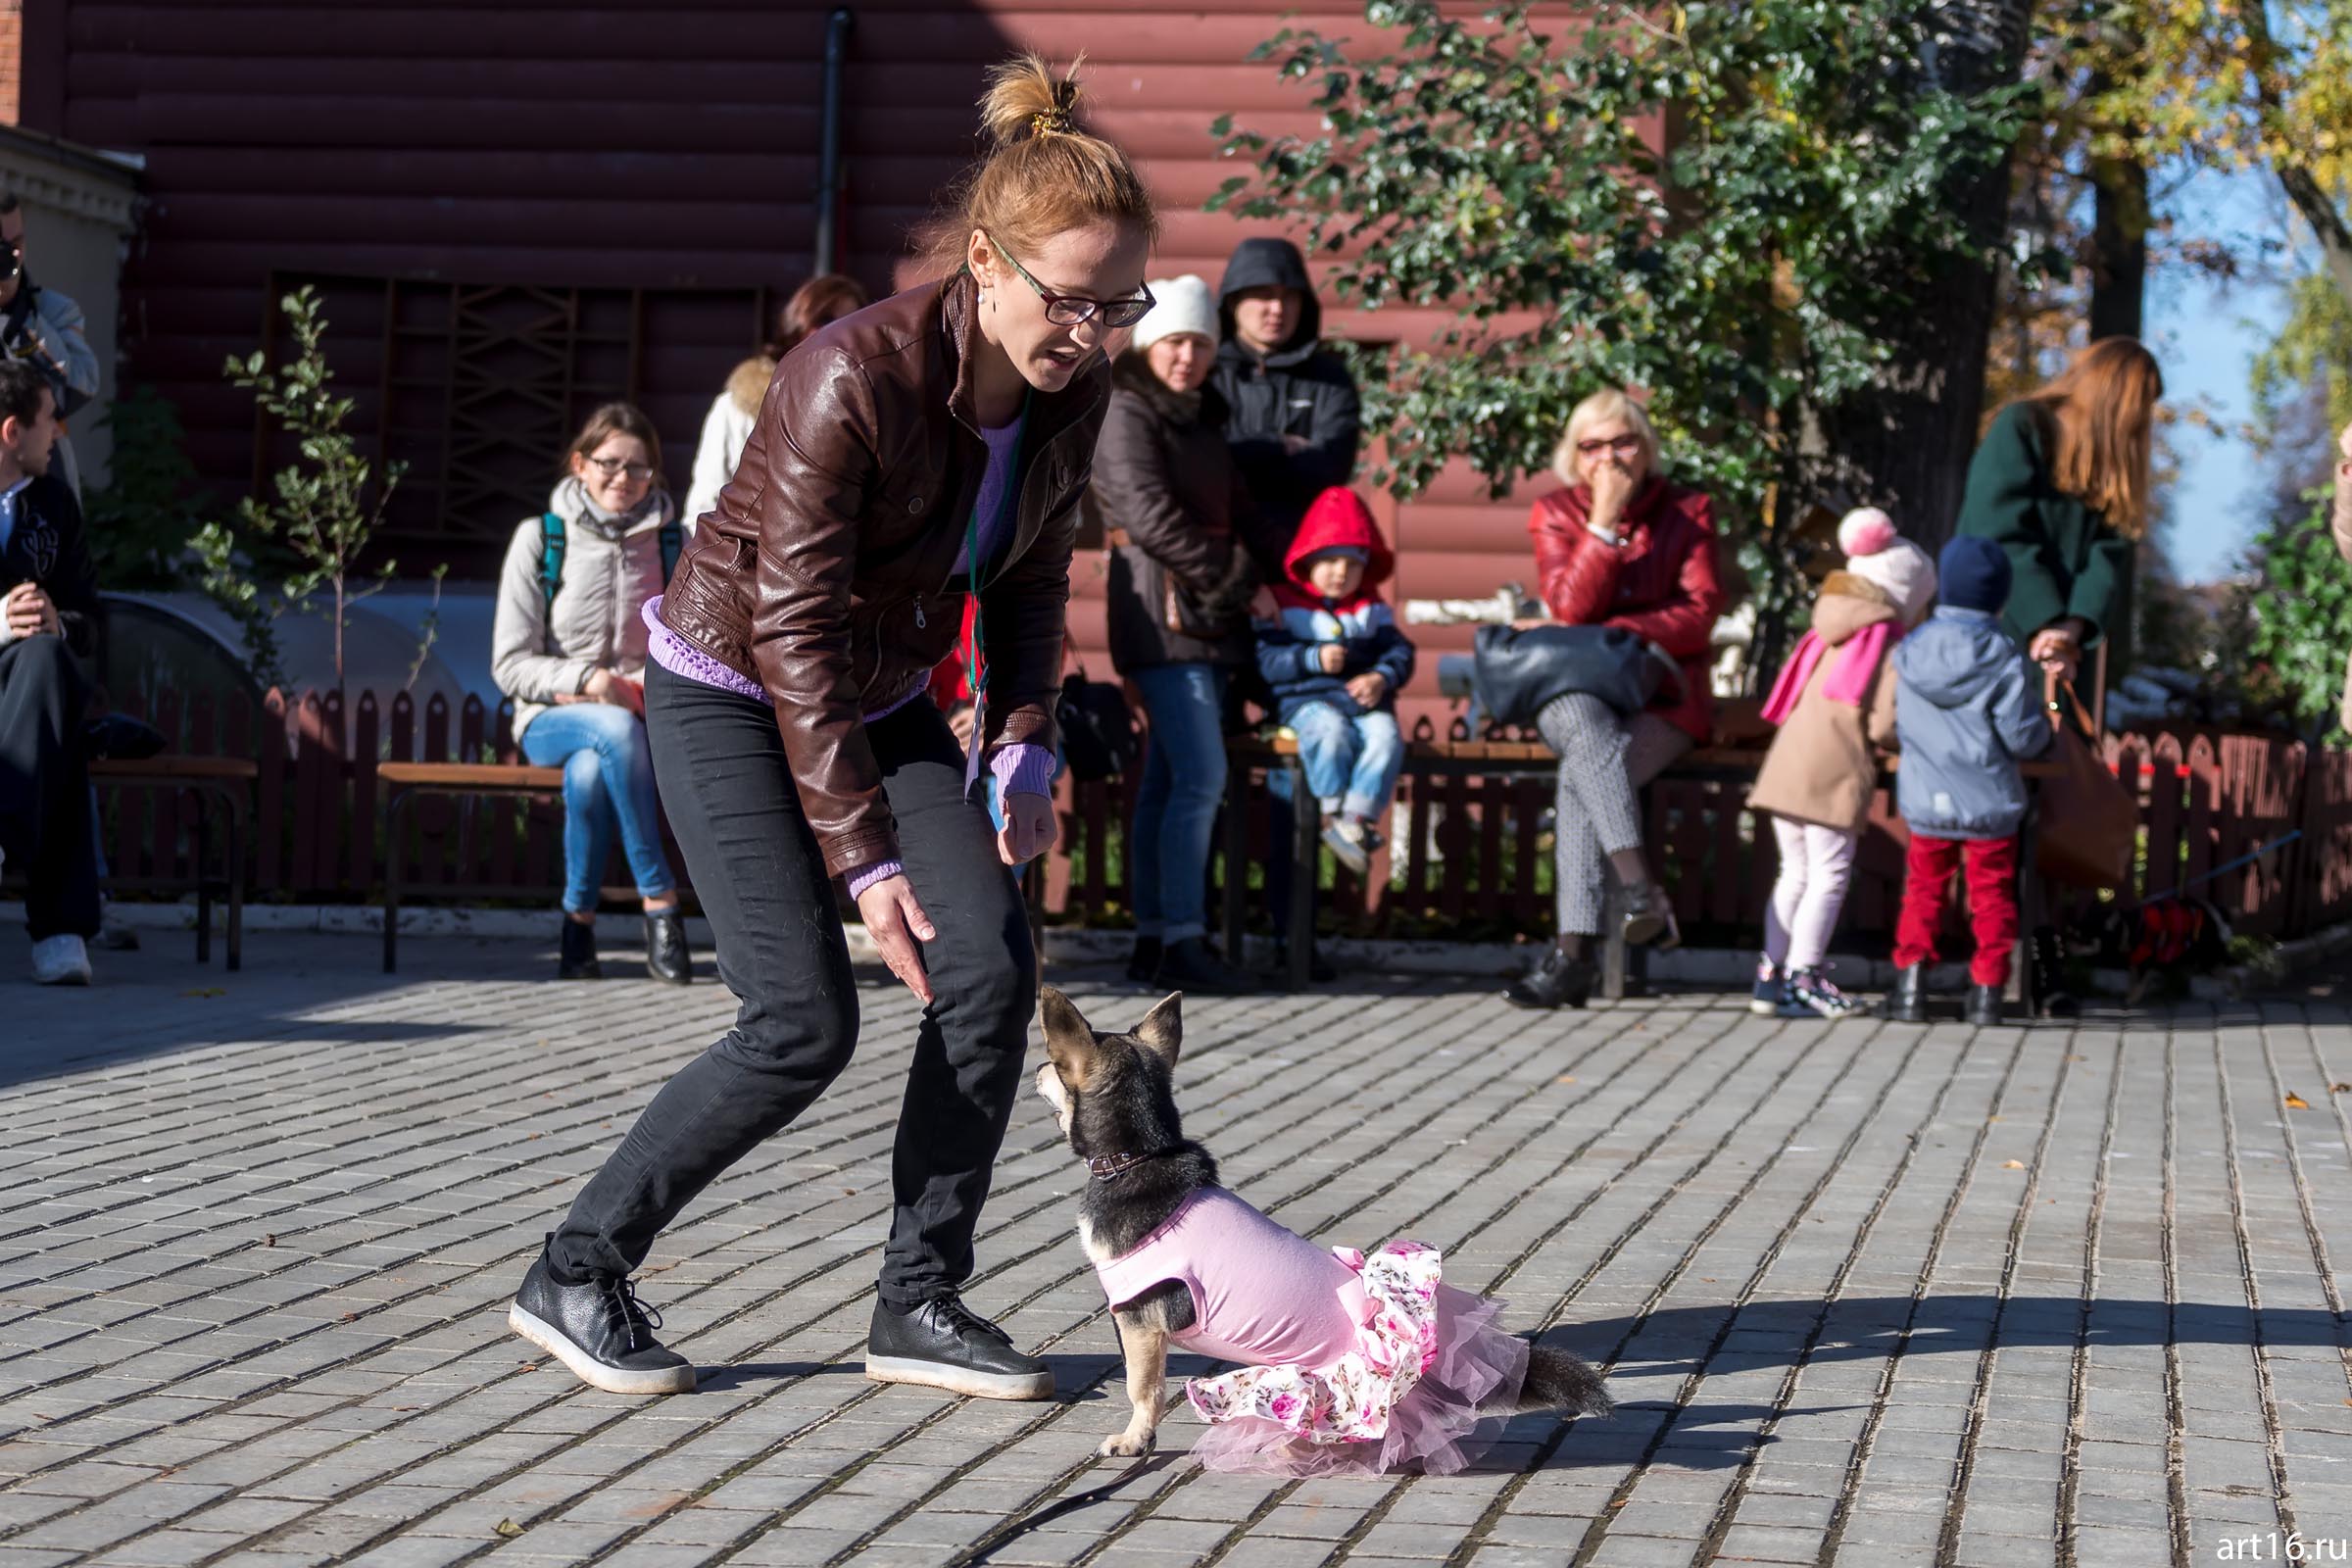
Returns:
point(2060, 482)
point(1171, 499)
point(932, 446)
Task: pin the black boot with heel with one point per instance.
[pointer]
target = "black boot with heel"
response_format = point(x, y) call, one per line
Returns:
point(666, 957)
point(575, 955)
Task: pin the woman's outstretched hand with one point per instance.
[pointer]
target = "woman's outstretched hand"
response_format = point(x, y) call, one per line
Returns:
point(2058, 648)
point(899, 928)
point(1029, 828)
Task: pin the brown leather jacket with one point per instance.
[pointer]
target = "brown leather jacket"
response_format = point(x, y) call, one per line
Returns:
point(827, 570)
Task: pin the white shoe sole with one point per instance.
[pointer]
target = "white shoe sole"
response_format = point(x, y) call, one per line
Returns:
point(1350, 856)
point(978, 1385)
point(612, 1380)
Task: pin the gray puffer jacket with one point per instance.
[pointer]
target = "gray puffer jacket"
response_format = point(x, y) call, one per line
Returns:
point(1965, 714)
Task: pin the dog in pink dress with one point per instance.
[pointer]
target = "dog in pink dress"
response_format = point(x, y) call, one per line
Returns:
point(1348, 1362)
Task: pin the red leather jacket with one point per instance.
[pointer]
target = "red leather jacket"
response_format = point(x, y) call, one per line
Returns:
point(1660, 583)
point(827, 570)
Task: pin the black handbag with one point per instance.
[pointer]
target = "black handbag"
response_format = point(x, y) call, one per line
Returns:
point(1517, 673)
point(1099, 738)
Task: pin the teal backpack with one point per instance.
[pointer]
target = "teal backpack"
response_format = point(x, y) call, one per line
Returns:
point(551, 552)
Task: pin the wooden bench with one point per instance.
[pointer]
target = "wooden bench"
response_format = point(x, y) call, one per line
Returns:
point(223, 782)
point(1438, 759)
point(405, 781)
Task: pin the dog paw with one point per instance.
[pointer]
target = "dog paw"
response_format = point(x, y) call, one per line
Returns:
point(1124, 1445)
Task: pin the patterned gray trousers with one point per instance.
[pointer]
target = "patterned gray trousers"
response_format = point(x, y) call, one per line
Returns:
point(1605, 757)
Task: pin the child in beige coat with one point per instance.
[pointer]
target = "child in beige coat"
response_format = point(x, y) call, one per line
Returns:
point(1834, 705)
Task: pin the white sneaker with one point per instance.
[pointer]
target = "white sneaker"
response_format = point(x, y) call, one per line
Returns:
point(61, 961)
point(1344, 838)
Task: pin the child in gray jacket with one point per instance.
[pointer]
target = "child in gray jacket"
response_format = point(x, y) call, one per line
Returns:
point(1964, 715)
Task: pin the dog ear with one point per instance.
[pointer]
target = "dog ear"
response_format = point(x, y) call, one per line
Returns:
point(1161, 1032)
point(1069, 1040)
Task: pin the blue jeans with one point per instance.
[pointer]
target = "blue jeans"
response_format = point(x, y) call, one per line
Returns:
point(1176, 808)
point(1352, 759)
point(608, 782)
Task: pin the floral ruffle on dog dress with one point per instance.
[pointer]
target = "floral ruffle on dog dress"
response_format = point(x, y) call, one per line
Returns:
point(1354, 1364)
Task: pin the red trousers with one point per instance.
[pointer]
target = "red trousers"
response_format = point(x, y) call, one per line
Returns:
point(1992, 903)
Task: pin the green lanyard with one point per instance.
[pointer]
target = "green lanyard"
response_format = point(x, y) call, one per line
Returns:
point(975, 671)
point(975, 667)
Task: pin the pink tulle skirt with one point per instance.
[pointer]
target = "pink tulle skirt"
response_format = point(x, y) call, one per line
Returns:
point(1408, 1398)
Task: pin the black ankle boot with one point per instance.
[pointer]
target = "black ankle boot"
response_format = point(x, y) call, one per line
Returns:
point(1984, 1005)
point(1556, 981)
point(1191, 965)
point(1907, 1002)
point(665, 954)
point(1142, 964)
point(576, 955)
point(2051, 998)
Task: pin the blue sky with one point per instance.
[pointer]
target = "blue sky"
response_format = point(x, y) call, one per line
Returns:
point(2206, 334)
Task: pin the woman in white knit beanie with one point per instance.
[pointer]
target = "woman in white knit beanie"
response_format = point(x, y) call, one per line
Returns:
point(1182, 574)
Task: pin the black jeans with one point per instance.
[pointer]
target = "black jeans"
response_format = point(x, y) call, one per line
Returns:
point(755, 868)
point(45, 786)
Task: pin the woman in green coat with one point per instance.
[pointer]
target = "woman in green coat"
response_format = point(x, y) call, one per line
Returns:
point(2060, 482)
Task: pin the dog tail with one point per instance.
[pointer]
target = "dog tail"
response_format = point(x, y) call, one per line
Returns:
point(1558, 1381)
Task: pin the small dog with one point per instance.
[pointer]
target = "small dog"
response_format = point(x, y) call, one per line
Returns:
point(2174, 936)
point(1113, 1095)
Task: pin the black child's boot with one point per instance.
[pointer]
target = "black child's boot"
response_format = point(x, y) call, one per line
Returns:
point(1907, 1002)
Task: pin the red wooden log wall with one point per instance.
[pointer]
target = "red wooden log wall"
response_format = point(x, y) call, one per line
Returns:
point(595, 143)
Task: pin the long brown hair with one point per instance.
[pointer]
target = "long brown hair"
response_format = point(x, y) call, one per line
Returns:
point(1047, 176)
point(615, 419)
point(2103, 407)
point(826, 297)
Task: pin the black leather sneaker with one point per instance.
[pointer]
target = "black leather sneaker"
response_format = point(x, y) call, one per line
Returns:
point(665, 956)
point(1142, 964)
point(601, 1331)
point(945, 1345)
point(1556, 981)
point(575, 953)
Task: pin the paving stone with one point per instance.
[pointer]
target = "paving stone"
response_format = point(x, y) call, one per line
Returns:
point(172, 1390)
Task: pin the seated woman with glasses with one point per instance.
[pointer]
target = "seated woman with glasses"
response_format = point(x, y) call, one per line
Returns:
point(1619, 547)
point(568, 646)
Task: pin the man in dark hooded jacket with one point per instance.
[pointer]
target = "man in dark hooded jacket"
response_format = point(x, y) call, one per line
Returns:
point(1292, 406)
point(1291, 424)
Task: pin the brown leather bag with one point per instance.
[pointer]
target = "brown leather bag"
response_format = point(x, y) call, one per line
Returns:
point(2089, 820)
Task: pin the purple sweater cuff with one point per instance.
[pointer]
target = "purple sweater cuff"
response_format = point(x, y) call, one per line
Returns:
point(1022, 770)
point(1018, 769)
point(866, 876)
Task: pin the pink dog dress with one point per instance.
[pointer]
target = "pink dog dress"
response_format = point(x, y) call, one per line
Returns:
point(1349, 1364)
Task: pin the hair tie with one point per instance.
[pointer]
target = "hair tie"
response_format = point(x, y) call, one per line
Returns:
point(1051, 122)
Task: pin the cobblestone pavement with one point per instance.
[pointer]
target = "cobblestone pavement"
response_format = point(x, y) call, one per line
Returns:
point(1870, 1293)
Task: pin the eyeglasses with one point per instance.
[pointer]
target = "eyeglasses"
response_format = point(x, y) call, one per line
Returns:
point(1073, 310)
point(611, 467)
point(1624, 446)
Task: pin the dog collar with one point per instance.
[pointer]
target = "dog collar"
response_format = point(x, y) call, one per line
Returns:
point(1105, 1166)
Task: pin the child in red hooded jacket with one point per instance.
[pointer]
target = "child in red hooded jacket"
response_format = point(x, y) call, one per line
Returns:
point(1335, 661)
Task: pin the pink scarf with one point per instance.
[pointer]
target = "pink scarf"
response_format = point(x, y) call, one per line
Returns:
point(1850, 677)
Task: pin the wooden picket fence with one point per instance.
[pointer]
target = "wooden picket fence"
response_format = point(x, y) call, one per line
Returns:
point(1470, 861)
